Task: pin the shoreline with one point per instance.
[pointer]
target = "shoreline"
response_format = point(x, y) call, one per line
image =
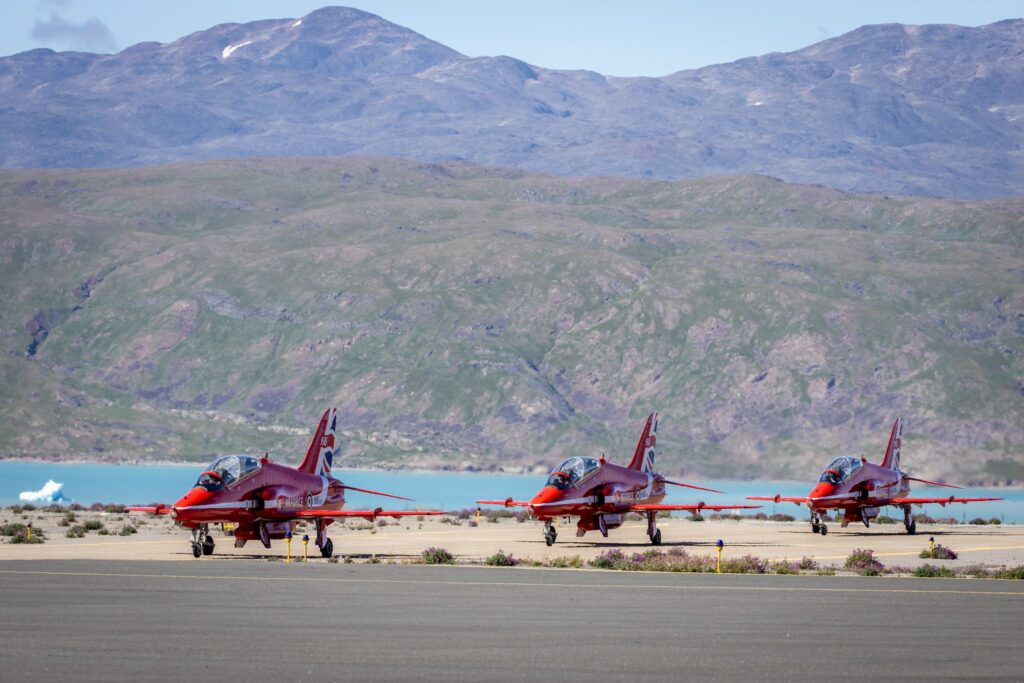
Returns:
point(39, 460)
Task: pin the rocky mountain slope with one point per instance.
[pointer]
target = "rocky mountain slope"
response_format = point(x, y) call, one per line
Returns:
point(932, 110)
point(462, 316)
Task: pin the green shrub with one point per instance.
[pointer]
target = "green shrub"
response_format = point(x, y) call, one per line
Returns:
point(995, 520)
point(565, 562)
point(781, 517)
point(941, 552)
point(76, 531)
point(92, 525)
point(748, 564)
point(434, 555)
point(784, 567)
point(808, 563)
point(978, 521)
point(885, 519)
point(1012, 573)
point(696, 517)
point(500, 559)
point(609, 559)
point(927, 571)
point(864, 562)
point(12, 529)
point(127, 530)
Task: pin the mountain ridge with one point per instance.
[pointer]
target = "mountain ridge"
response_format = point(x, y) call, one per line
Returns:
point(927, 110)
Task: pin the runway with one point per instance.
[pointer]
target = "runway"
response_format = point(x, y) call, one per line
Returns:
point(157, 621)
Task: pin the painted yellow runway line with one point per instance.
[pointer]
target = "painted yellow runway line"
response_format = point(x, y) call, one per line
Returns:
point(515, 584)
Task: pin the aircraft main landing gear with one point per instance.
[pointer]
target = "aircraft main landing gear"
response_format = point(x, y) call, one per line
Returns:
point(909, 523)
point(325, 544)
point(653, 532)
point(549, 533)
point(202, 541)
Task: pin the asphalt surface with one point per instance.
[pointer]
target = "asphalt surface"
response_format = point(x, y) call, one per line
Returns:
point(196, 620)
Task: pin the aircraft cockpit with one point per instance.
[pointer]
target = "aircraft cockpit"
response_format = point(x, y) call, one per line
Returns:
point(226, 470)
point(572, 470)
point(840, 469)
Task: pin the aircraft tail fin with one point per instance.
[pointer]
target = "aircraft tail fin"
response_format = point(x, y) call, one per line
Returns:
point(643, 455)
point(321, 451)
point(892, 450)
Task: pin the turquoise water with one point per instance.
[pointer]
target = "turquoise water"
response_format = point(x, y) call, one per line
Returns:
point(100, 483)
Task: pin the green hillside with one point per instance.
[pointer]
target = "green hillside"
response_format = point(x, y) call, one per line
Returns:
point(465, 317)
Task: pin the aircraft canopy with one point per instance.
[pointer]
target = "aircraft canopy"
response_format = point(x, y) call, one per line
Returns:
point(840, 469)
point(226, 470)
point(571, 470)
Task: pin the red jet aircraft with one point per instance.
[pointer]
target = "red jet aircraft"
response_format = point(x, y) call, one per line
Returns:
point(859, 489)
point(266, 500)
point(601, 494)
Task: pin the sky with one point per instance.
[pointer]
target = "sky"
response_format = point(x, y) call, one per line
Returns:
point(613, 37)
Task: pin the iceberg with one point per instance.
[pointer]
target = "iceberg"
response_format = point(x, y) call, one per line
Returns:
point(50, 493)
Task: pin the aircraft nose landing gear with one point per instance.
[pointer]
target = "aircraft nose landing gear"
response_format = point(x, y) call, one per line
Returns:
point(202, 541)
point(549, 533)
point(817, 525)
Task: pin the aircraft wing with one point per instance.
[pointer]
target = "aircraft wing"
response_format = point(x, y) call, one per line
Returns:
point(780, 499)
point(368, 515)
point(159, 509)
point(694, 507)
point(508, 502)
point(940, 501)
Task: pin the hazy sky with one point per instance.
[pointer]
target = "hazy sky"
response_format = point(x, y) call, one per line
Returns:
point(637, 38)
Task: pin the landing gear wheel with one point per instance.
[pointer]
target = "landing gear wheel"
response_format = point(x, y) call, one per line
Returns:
point(197, 550)
point(208, 545)
point(815, 528)
point(824, 530)
point(912, 528)
point(656, 538)
point(327, 550)
point(550, 535)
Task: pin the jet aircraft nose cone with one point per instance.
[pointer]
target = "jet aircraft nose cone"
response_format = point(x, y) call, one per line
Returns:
point(197, 496)
point(548, 494)
point(822, 489)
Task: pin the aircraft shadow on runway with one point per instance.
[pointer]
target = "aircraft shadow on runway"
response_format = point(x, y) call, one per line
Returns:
point(647, 544)
point(920, 534)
